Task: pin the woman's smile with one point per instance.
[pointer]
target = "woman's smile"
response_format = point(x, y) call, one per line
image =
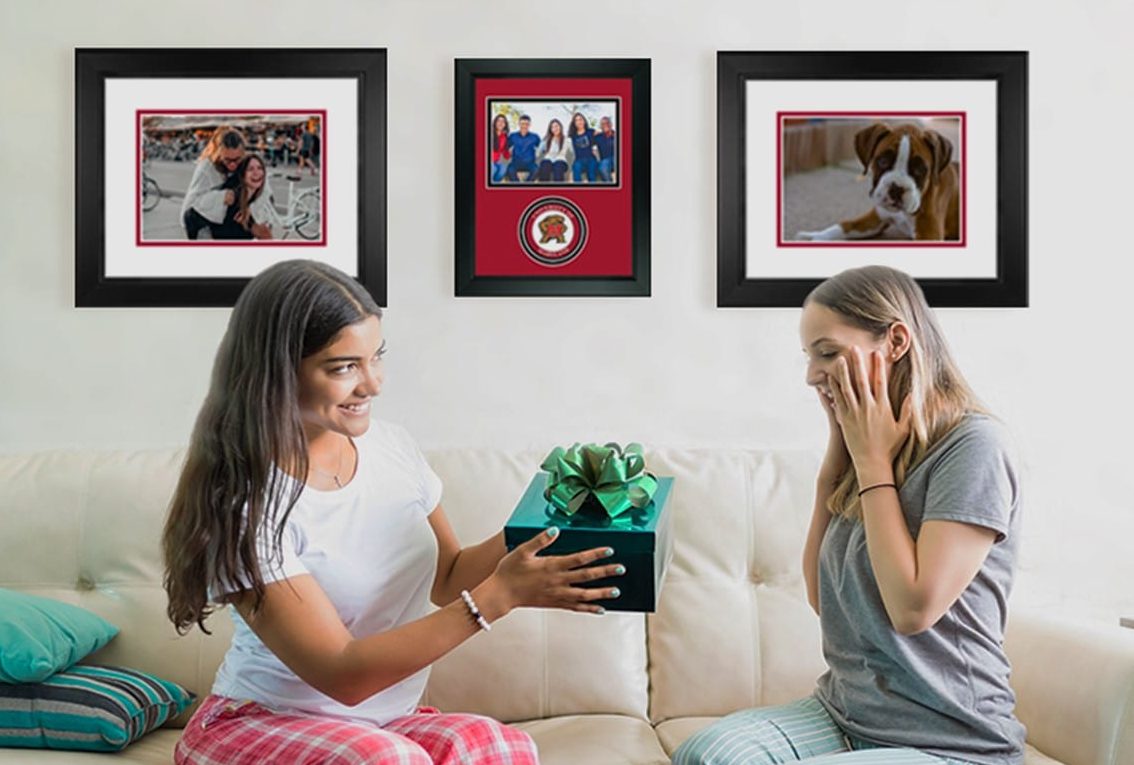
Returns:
point(358, 409)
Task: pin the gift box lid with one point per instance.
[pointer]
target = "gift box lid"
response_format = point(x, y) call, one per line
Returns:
point(637, 530)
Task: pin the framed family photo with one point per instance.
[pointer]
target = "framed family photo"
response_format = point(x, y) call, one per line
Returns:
point(552, 177)
point(833, 160)
point(196, 168)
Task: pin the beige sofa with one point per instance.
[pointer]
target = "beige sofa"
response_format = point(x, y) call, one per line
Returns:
point(733, 629)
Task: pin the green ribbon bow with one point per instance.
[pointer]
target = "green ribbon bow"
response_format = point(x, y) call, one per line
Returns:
point(614, 476)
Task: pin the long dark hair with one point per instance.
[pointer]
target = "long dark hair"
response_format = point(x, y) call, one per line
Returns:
point(574, 131)
point(493, 136)
point(248, 438)
point(245, 198)
point(547, 138)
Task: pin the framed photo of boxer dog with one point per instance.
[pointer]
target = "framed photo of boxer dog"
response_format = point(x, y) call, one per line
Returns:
point(833, 160)
point(196, 168)
point(552, 177)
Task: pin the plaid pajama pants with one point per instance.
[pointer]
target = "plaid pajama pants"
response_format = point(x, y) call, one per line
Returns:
point(800, 732)
point(224, 731)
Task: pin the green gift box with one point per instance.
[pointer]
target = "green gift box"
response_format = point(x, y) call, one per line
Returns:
point(587, 494)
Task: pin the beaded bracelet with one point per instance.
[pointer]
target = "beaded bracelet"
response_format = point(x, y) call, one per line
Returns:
point(878, 486)
point(480, 620)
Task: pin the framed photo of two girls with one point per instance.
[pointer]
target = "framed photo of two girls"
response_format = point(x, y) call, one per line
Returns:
point(196, 168)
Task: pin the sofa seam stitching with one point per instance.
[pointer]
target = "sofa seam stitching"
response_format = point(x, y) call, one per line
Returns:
point(749, 585)
point(84, 503)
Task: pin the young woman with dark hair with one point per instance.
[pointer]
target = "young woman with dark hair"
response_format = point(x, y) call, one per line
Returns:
point(498, 150)
point(251, 215)
point(323, 530)
point(582, 138)
point(555, 154)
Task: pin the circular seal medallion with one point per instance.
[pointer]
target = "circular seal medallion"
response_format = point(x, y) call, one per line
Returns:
point(552, 231)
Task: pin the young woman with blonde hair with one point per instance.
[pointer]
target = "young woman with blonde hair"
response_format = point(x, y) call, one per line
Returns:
point(206, 199)
point(910, 553)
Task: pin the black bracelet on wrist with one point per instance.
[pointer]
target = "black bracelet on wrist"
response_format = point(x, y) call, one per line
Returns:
point(877, 486)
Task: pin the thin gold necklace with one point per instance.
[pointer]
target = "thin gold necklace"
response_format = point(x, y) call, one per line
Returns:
point(335, 475)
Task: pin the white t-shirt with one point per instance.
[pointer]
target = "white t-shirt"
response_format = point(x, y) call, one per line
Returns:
point(557, 150)
point(370, 547)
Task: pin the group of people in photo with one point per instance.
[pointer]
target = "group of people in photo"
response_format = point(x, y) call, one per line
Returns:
point(588, 154)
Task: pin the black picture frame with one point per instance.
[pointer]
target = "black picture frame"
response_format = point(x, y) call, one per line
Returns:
point(94, 66)
point(1008, 69)
point(467, 174)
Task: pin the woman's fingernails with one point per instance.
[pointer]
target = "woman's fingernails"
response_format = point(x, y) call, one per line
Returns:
point(619, 570)
point(553, 532)
point(600, 611)
point(615, 592)
point(608, 552)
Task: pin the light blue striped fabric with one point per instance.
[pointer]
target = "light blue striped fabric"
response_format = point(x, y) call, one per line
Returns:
point(98, 709)
point(798, 732)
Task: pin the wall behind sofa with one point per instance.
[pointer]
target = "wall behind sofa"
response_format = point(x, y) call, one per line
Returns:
point(485, 372)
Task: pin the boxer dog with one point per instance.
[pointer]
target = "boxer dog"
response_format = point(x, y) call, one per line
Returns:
point(914, 185)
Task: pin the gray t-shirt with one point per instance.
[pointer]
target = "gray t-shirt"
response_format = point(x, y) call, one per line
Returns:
point(944, 690)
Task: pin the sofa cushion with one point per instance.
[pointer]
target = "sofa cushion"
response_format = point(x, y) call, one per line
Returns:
point(672, 733)
point(41, 636)
point(100, 515)
point(87, 708)
point(595, 740)
point(154, 749)
point(734, 590)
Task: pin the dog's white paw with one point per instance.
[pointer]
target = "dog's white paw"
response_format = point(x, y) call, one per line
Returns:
point(828, 234)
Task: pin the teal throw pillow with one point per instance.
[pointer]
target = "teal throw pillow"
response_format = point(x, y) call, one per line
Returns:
point(39, 636)
point(89, 708)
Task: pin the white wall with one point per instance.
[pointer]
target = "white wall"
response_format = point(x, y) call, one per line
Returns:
point(484, 371)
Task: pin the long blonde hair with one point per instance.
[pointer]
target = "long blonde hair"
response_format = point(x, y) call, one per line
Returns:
point(224, 137)
point(874, 298)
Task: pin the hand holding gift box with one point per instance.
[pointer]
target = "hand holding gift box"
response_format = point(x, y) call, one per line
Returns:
point(602, 496)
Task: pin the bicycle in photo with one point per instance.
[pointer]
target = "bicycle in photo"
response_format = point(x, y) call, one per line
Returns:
point(151, 192)
point(304, 212)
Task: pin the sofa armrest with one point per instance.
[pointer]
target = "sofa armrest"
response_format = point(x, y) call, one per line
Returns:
point(1074, 686)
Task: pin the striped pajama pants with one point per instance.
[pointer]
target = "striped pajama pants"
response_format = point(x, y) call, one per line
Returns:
point(798, 732)
point(227, 732)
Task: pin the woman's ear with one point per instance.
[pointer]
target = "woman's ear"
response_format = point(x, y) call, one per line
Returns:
point(898, 338)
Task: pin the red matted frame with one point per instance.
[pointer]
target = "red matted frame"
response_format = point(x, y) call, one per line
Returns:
point(320, 241)
point(558, 236)
point(1007, 246)
point(881, 115)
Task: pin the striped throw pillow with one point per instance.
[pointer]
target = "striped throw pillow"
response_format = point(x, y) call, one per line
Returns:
point(93, 708)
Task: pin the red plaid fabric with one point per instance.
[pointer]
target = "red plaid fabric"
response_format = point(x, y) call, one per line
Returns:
point(228, 732)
